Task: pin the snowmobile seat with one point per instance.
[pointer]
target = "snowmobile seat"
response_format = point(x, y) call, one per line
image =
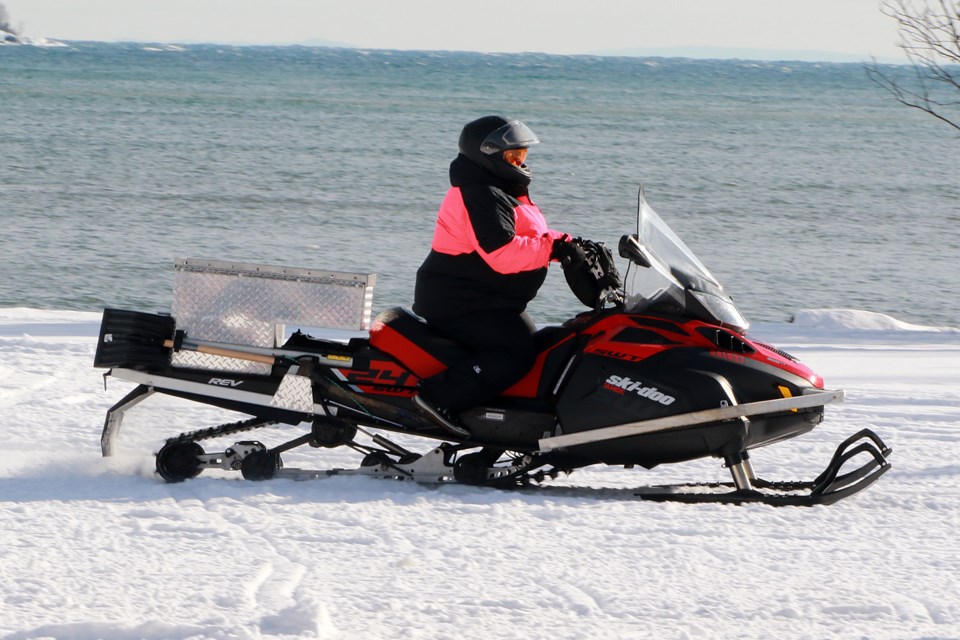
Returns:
point(409, 339)
point(424, 351)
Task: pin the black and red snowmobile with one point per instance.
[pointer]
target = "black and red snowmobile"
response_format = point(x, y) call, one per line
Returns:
point(660, 370)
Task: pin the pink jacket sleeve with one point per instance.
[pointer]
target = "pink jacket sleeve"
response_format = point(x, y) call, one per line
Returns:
point(523, 253)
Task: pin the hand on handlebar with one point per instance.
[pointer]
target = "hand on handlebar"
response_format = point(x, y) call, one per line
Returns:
point(567, 252)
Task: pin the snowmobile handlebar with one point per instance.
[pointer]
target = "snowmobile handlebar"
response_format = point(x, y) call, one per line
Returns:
point(595, 280)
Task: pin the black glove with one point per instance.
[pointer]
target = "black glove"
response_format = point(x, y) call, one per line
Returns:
point(567, 253)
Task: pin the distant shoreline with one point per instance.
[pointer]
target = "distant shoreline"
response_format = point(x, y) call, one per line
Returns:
point(669, 53)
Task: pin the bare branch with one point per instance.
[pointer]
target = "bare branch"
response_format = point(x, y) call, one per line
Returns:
point(930, 37)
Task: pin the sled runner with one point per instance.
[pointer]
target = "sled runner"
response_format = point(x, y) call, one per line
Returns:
point(659, 370)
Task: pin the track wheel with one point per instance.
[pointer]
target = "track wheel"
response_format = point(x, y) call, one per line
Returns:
point(177, 461)
point(471, 469)
point(260, 465)
point(374, 459)
point(330, 432)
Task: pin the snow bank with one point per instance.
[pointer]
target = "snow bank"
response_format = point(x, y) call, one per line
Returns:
point(100, 548)
point(20, 315)
point(7, 38)
point(38, 322)
point(855, 319)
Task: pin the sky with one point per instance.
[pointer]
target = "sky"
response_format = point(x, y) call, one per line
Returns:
point(843, 30)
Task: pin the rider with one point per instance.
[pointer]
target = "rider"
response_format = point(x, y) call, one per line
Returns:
point(489, 256)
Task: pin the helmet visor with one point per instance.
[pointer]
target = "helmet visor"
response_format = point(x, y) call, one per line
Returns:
point(513, 135)
point(516, 157)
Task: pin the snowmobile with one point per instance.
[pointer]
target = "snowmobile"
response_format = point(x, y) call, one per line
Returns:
point(659, 370)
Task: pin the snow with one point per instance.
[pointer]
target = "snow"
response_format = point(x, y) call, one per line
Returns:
point(96, 547)
point(855, 319)
point(7, 38)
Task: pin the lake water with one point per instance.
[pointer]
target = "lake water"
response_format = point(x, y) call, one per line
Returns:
point(799, 185)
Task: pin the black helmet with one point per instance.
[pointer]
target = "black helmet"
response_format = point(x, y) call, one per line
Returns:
point(484, 141)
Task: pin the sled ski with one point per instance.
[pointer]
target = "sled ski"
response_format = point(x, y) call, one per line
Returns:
point(827, 488)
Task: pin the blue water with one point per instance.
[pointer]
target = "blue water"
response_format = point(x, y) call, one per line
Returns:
point(800, 185)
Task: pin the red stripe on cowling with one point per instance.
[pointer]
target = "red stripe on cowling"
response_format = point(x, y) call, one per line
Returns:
point(528, 384)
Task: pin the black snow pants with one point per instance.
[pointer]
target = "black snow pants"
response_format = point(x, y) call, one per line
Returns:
point(500, 349)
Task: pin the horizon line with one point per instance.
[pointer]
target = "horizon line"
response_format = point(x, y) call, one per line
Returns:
point(693, 52)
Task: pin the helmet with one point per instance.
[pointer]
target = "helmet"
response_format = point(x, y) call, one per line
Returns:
point(484, 141)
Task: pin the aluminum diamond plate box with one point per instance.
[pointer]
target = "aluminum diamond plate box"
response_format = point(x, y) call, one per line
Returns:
point(250, 304)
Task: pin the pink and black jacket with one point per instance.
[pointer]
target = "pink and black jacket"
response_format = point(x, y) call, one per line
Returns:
point(490, 249)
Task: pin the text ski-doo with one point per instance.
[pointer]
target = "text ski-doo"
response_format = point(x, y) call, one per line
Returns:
point(659, 371)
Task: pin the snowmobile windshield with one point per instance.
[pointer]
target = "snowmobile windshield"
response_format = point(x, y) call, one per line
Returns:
point(665, 276)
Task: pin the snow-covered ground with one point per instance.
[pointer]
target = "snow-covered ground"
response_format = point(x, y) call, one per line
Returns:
point(101, 548)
